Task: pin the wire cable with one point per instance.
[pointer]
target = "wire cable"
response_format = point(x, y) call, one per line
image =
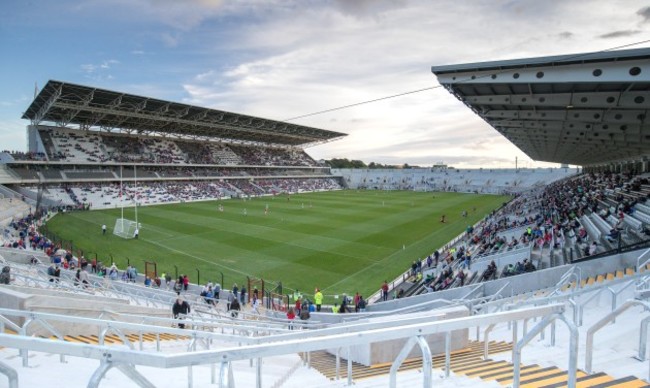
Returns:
point(570, 57)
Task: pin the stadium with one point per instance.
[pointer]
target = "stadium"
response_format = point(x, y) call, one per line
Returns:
point(371, 277)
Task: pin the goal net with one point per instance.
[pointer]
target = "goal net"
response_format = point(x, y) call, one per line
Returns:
point(125, 228)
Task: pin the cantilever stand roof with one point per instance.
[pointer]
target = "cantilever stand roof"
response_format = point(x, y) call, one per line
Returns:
point(583, 109)
point(64, 103)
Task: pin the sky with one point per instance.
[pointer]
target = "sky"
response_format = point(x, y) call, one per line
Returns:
point(280, 59)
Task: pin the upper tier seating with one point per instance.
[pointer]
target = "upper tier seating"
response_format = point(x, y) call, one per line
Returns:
point(89, 146)
point(75, 146)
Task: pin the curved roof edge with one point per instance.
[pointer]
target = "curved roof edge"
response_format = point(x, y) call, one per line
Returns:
point(599, 56)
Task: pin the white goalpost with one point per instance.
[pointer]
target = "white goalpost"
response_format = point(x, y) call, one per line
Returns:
point(124, 227)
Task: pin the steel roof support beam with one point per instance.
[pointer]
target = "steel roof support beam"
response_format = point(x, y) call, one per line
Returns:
point(91, 107)
point(179, 121)
point(45, 108)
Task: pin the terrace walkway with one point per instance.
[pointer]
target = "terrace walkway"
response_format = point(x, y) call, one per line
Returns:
point(470, 362)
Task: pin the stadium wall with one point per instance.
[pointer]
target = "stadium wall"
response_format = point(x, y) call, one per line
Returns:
point(387, 351)
point(487, 181)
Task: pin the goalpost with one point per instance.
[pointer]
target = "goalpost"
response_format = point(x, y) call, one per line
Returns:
point(126, 228)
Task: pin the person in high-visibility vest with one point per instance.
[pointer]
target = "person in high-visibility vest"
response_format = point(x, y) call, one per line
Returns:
point(318, 299)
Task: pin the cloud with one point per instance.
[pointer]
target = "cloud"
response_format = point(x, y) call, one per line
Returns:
point(644, 13)
point(170, 39)
point(108, 63)
point(363, 8)
point(325, 59)
point(184, 15)
point(619, 34)
point(90, 68)
point(286, 58)
point(17, 101)
point(99, 72)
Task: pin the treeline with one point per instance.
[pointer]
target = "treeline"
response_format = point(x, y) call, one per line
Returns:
point(346, 163)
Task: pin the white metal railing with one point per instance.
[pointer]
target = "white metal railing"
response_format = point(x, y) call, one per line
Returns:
point(573, 274)
point(530, 298)
point(503, 258)
point(645, 263)
point(638, 301)
point(303, 341)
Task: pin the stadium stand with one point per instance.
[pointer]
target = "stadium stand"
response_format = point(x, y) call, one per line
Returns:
point(449, 179)
point(568, 251)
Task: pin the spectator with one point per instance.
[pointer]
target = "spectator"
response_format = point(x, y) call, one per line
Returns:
point(255, 304)
point(113, 272)
point(356, 302)
point(179, 310)
point(318, 299)
point(361, 304)
point(168, 280)
point(231, 299)
point(613, 235)
point(83, 277)
point(5, 276)
point(217, 291)
point(291, 315)
point(242, 295)
point(50, 272)
point(297, 306)
point(235, 307)
point(186, 282)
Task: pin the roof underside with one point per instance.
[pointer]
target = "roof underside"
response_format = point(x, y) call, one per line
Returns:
point(583, 109)
point(67, 104)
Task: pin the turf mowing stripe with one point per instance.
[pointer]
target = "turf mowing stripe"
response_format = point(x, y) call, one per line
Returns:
point(340, 235)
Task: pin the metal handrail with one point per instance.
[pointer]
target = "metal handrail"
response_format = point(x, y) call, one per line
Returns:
point(558, 298)
point(604, 321)
point(498, 293)
point(638, 260)
point(527, 337)
point(566, 277)
point(283, 344)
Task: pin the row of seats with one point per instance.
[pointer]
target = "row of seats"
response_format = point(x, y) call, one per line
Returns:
point(579, 215)
point(87, 146)
point(61, 172)
point(99, 196)
point(481, 180)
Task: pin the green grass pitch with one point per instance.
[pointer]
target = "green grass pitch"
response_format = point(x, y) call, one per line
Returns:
point(342, 241)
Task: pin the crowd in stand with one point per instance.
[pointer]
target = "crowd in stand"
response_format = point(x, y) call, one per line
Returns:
point(542, 219)
point(181, 191)
point(548, 219)
point(66, 145)
point(112, 172)
point(119, 148)
point(17, 155)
